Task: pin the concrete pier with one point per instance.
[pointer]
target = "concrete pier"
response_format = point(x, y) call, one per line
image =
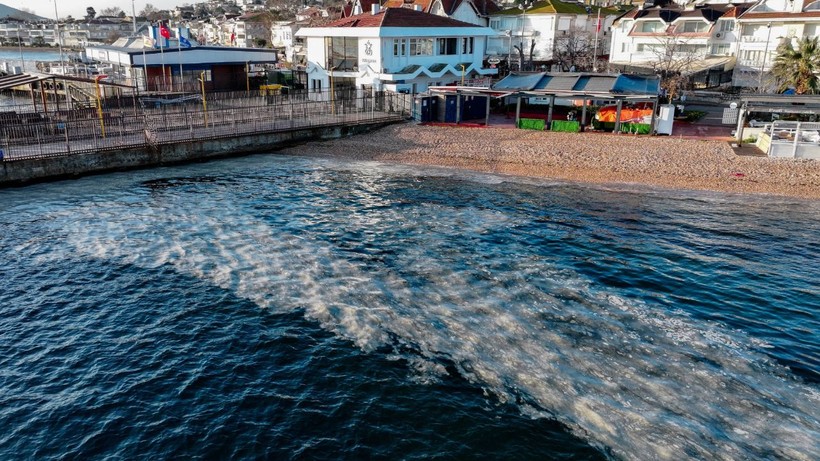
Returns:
point(22, 172)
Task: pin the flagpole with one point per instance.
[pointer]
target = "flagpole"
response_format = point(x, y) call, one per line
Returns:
point(595, 49)
point(144, 65)
point(179, 57)
point(162, 57)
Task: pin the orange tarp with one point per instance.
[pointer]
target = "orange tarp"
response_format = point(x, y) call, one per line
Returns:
point(639, 113)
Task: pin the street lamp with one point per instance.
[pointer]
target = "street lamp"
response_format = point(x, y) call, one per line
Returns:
point(59, 35)
point(99, 102)
point(524, 8)
point(332, 93)
point(509, 51)
point(765, 55)
point(204, 101)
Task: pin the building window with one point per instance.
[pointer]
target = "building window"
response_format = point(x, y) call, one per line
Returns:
point(720, 50)
point(725, 26)
point(342, 53)
point(447, 46)
point(692, 50)
point(399, 46)
point(652, 27)
point(755, 56)
point(421, 47)
point(693, 27)
point(316, 85)
point(495, 24)
point(467, 45)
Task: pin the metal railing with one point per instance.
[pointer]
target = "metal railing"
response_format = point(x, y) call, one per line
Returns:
point(28, 136)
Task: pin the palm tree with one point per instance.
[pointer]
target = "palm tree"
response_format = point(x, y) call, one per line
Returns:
point(798, 67)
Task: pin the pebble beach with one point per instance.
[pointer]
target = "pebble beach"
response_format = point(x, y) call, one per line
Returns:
point(585, 157)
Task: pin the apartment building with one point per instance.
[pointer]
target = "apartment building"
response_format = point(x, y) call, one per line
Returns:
point(700, 41)
point(397, 49)
point(762, 28)
point(544, 26)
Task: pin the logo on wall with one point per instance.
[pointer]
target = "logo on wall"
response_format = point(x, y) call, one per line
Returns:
point(368, 48)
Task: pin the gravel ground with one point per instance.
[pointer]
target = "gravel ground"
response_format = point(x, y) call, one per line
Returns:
point(587, 157)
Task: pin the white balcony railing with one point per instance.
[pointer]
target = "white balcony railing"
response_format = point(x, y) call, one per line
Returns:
point(752, 39)
point(750, 62)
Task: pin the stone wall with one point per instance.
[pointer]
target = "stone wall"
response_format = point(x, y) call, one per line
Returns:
point(21, 172)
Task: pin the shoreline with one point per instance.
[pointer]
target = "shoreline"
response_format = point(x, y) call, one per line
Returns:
point(672, 163)
point(35, 48)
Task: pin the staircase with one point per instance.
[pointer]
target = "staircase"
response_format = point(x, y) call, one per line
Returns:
point(81, 99)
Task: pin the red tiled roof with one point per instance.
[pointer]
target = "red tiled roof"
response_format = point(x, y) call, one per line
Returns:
point(734, 12)
point(347, 9)
point(780, 15)
point(481, 6)
point(424, 4)
point(449, 6)
point(397, 17)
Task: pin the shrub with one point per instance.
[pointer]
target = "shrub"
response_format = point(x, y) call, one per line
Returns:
point(693, 115)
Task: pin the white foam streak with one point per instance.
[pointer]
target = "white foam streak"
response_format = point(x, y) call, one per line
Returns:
point(647, 384)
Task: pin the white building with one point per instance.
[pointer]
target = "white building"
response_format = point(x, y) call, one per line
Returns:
point(472, 11)
point(396, 49)
point(765, 26)
point(548, 25)
point(283, 38)
point(697, 40)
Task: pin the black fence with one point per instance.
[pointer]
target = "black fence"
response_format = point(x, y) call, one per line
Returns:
point(181, 118)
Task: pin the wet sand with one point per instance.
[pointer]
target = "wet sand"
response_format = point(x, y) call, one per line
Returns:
point(585, 157)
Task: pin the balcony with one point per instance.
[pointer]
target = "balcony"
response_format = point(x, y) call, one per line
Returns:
point(752, 39)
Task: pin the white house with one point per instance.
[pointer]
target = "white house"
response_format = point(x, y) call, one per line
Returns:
point(283, 38)
point(397, 49)
point(697, 40)
point(545, 26)
point(472, 11)
point(765, 26)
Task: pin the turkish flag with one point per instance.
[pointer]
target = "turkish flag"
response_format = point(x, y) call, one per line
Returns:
point(164, 31)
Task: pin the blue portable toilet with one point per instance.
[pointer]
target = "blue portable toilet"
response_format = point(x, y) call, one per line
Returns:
point(425, 108)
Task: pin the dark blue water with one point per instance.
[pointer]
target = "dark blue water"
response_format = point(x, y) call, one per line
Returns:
point(287, 308)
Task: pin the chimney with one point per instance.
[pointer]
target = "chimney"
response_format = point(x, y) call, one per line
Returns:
point(374, 8)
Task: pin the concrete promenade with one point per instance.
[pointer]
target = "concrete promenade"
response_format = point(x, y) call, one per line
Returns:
point(25, 171)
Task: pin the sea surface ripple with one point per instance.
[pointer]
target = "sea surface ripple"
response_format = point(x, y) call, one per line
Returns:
point(276, 307)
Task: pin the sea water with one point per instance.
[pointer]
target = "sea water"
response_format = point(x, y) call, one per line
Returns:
point(297, 308)
point(26, 59)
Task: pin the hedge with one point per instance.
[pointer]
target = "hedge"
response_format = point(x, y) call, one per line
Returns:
point(637, 128)
point(566, 126)
point(531, 124)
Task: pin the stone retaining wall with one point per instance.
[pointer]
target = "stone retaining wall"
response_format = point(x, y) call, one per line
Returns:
point(21, 172)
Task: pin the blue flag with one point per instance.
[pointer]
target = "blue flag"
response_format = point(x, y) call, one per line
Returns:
point(184, 42)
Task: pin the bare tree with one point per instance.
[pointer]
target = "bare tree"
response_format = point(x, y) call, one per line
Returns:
point(519, 49)
point(111, 11)
point(575, 49)
point(201, 11)
point(673, 61)
point(151, 13)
